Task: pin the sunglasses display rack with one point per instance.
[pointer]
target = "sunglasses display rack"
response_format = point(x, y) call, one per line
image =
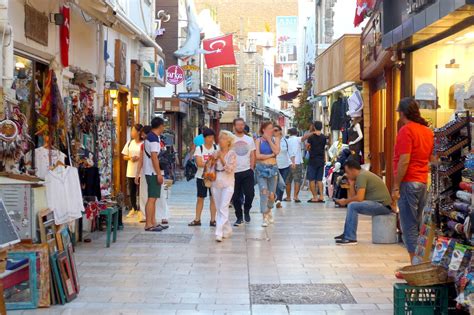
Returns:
point(451, 208)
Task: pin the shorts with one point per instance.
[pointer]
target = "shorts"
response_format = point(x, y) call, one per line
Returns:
point(315, 173)
point(154, 189)
point(295, 174)
point(202, 189)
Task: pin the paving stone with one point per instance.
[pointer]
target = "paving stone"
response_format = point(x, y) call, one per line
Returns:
point(300, 294)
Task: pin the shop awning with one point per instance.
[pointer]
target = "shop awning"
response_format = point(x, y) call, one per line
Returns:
point(288, 97)
point(434, 22)
point(229, 116)
point(338, 65)
point(111, 15)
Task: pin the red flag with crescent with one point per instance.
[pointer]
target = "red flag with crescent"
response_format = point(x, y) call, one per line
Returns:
point(220, 51)
point(363, 6)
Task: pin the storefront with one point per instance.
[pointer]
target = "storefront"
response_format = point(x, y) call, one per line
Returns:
point(337, 83)
point(377, 70)
point(434, 43)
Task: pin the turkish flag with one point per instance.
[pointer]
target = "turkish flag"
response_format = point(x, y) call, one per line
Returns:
point(363, 6)
point(64, 36)
point(220, 51)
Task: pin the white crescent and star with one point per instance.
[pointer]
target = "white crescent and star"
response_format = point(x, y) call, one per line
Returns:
point(220, 41)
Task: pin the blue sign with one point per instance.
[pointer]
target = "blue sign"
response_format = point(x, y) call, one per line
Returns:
point(190, 95)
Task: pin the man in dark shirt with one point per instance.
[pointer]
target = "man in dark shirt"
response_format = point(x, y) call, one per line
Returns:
point(317, 157)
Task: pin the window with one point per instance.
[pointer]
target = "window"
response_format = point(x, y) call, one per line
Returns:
point(229, 80)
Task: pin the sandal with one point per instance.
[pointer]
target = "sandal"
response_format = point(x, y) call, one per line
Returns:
point(297, 201)
point(212, 223)
point(286, 200)
point(311, 201)
point(165, 222)
point(154, 229)
point(195, 223)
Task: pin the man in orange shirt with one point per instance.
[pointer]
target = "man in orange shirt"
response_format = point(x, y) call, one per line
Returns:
point(413, 152)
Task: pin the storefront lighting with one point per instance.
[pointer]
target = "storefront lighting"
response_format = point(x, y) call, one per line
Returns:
point(20, 65)
point(135, 100)
point(113, 91)
point(469, 35)
point(450, 42)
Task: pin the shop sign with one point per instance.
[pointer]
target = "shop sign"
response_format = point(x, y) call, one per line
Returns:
point(120, 70)
point(170, 105)
point(190, 68)
point(287, 38)
point(190, 95)
point(174, 75)
point(36, 25)
point(415, 6)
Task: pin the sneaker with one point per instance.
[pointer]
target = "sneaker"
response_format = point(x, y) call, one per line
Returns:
point(278, 204)
point(212, 223)
point(219, 239)
point(339, 237)
point(238, 223)
point(141, 218)
point(345, 242)
point(247, 218)
point(265, 223)
point(270, 218)
point(131, 213)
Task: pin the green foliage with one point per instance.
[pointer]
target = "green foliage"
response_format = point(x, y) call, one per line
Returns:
point(304, 113)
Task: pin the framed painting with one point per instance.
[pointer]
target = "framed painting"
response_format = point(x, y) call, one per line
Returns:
point(20, 288)
point(67, 276)
point(58, 285)
point(72, 261)
point(43, 273)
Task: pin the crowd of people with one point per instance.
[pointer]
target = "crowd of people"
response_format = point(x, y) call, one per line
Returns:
point(230, 164)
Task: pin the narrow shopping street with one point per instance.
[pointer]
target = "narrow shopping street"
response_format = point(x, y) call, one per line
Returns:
point(184, 271)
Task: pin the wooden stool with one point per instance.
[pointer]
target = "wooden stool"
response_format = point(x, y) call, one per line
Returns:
point(112, 214)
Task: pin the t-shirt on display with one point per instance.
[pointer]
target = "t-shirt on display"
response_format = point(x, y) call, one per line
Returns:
point(42, 160)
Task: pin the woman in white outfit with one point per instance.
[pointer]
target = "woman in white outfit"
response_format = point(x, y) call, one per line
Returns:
point(161, 212)
point(223, 187)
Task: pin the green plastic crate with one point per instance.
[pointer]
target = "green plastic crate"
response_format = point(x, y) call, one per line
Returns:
point(409, 300)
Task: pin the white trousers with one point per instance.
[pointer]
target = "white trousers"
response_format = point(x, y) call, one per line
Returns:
point(222, 198)
point(161, 206)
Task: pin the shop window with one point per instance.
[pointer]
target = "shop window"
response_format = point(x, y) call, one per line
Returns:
point(442, 74)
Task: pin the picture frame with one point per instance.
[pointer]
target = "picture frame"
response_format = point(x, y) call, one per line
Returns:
point(47, 229)
point(32, 302)
point(60, 296)
point(67, 276)
point(70, 250)
point(44, 272)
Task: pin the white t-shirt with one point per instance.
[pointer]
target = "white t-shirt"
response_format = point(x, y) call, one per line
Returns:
point(205, 154)
point(132, 148)
point(152, 144)
point(294, 149)
point(283, 158)
point(243, 146)
point(42, 160)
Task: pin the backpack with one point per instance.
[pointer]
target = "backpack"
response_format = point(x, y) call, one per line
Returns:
point(162, 158)
point(190, 169)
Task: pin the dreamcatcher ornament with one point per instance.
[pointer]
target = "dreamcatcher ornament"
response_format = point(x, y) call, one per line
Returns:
point(14, 139)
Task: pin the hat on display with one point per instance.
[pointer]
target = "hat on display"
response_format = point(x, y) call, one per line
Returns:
point(426, 92)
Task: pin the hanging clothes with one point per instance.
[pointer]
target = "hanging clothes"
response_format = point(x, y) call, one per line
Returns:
point(338, 113)
point(90, 182)
point(356, 104)
point(63, 194)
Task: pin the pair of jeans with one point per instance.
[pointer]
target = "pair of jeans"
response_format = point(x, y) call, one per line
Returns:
point(243, 193)
point(412, 201)
point(132, 191)
point(267, 179)
point(222, 198)
point(366, 207)
point(284, 174)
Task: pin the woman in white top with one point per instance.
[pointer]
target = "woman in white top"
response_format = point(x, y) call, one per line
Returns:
point(131, 154)
point(223, 187)
point(283, 161)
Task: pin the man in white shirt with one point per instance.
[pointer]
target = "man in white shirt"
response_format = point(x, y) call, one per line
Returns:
point(202, 153)
point(244, 192)
point(296, 168)
point(154, 178)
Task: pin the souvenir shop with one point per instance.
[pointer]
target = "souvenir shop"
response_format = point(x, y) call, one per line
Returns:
point(341, 100)
point(55, 182)
point(435, 58)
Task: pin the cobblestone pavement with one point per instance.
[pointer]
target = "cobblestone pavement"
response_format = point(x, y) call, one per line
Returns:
point(184, 271)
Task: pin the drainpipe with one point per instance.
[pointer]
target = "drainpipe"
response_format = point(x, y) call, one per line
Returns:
point(101, 70)
point(6, 51)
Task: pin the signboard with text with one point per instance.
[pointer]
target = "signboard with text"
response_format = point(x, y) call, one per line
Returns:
point(174, 75)
point(287, 36)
